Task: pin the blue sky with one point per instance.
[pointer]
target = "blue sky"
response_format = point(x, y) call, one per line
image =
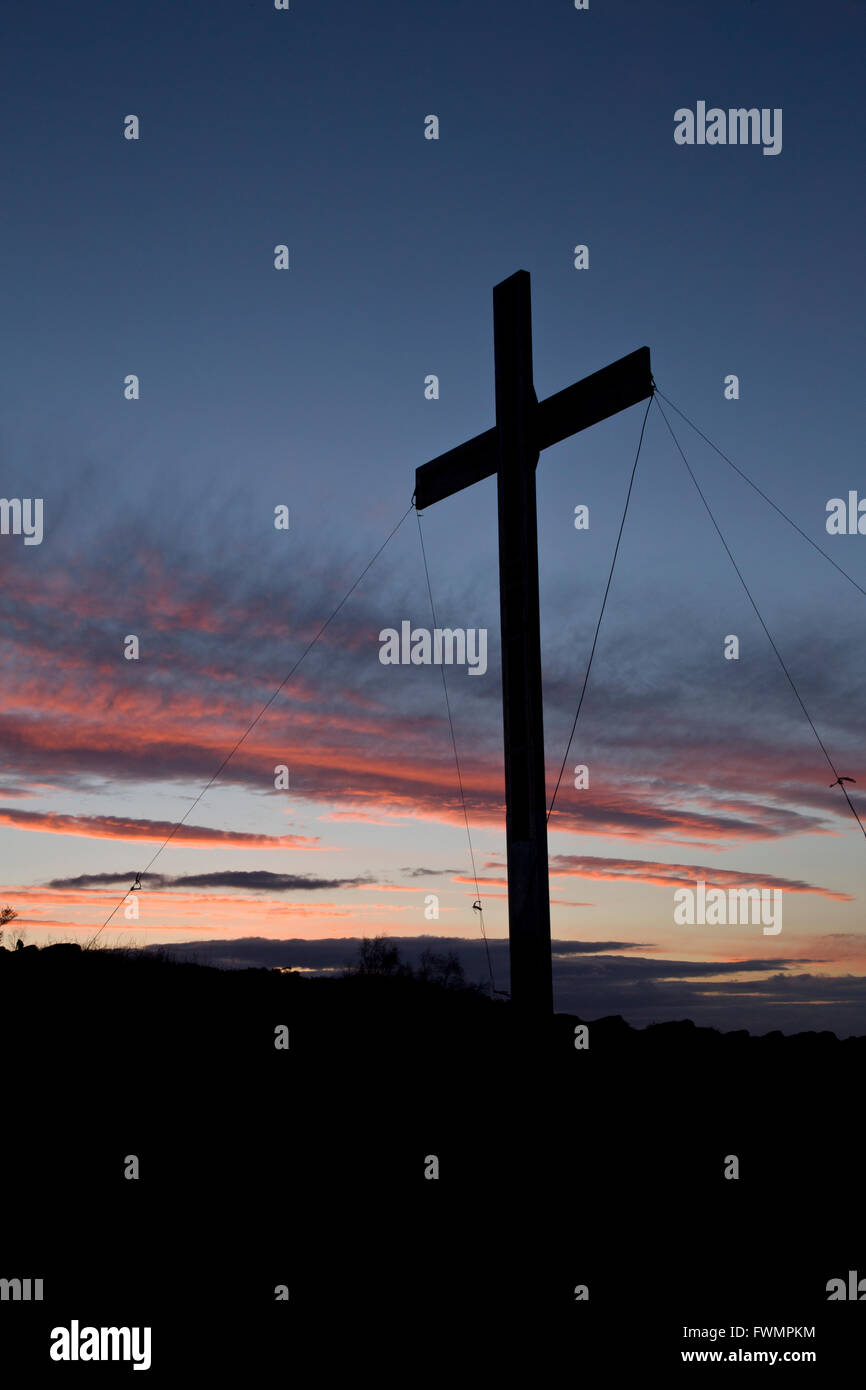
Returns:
point(306, 387)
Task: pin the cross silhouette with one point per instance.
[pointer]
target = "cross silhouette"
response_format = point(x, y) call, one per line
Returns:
point(510, 450)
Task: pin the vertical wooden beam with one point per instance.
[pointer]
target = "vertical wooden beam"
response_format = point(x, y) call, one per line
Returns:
point(525, 794)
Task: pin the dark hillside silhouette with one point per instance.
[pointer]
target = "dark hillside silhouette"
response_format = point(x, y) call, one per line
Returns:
point(305, 1166)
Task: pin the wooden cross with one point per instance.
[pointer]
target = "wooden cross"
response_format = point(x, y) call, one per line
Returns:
point(510, 450)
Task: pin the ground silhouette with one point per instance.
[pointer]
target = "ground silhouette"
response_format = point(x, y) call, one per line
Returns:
point(305, 1165)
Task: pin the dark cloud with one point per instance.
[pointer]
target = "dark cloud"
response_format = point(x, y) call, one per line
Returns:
point(649, 991)
point(431, 873)
point(98, 880)
point(249, 879)
point(332, 952)
point(262, 879)
point(592, 983)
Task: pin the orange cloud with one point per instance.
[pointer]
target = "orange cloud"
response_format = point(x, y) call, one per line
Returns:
point(662, 875)
point(124, 828)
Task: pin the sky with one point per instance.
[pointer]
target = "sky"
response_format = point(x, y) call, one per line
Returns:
point(304, 388)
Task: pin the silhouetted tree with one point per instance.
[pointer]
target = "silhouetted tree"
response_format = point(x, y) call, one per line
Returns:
point(437, 968)
point(379, 956)
point(7, 915)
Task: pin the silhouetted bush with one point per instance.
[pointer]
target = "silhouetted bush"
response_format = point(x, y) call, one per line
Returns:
point(378, 956)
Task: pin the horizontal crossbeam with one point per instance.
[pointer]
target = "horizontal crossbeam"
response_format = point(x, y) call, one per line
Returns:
point(587, 402)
